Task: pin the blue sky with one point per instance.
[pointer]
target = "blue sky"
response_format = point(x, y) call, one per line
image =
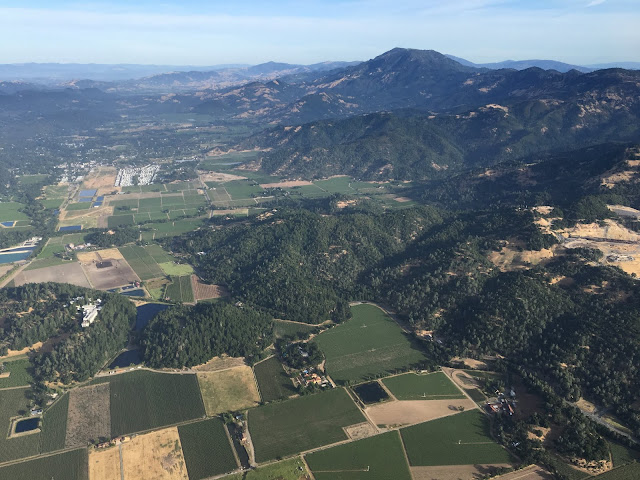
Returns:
point(253, 31)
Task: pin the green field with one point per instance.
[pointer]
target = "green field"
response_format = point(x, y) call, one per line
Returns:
point(367, 346)
point(273, 382)
point(175, 269)
point(145, 400)
point(375, 458)
point(52, 203)
point(9, 211)
point(78, 206)
point(291, 329)
point(71, 465)
point(239, 189)
point(621, 455)
point(46, 262)
point(463, 439)
point(285, 428)
point(291, 469)
point(118, 220)
point(432, 386)
point(170, 229)
point(179, 290)
point(206, 448)
point(14, 402)
point(19, 373)
point(54, 425)
point(141, 261)
point(158, 253)
point(565, 469)
point(627, 472)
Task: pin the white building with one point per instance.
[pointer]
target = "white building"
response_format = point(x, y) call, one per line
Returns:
point(90, 312)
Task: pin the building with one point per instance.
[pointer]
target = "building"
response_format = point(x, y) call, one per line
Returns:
point(90, 312)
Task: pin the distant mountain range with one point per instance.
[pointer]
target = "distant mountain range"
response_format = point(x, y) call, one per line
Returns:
point(547, 65)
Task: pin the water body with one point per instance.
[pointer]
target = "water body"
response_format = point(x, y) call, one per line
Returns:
point(125, 359)
point(145, 313)
point(16, 255)
point(370, 393)
point(27, 425)
point(8, 224)
point(87, 193)
point(133, 293)
point(71, 228)
point(85, 199)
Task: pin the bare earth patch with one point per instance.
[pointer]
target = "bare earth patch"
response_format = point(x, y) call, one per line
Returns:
point(203, 291)
point(454, 472)
point(219, 177)
point(292, 183)
point(402, 199)
point(228, 390)
point(89, 415)
point(104, 464)
point(532, 472)
point(68, 273)
point(15, 353)
point(624, 211)
point(220, 363)
point(101, 180)
point(154, 456)
point(360, 430)
point(408, 412)
point(99, 255)
point(472, 363)
point(116, 275)
point(509, 258)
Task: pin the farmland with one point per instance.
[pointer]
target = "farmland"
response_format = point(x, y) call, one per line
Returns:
point(291, 469)
point(282, 429)
point(145, 400)
point(66, 273)
point(283, 328)
point(9, 211)
point(179, 290)
point(71, 465)
point(377, 458)
point(151, 231)
point(54, 426)
point(273, 382)
point(19, 373)
point(88, 415)
point(142, 262)
point(154, 456)
point(14, 402)
point(207, 450)
point(433, 386)
point(626, 472)
point(228, 390)
point(463, 439)
point(368, 345)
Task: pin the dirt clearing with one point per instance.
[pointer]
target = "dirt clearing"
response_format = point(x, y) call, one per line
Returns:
point(219, 177)
point(289, 184)
point(220, 363)
point(408, 412)
point(154, 456)
point(509, 258)
point(102, 180)
point(69, 273)
point(15, 353)
point(361, 430)
point(228, 390)
point(112, 273)
point(455, 472)
point(99, 255)
point(89, 415)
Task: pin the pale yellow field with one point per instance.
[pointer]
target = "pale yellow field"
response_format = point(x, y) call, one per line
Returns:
point(155, 456)
point(99, 255)
point(104, 464)
point(409, 412)
point(228, 390)
point(455, 472)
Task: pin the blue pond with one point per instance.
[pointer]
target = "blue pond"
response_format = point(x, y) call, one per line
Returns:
point(100, 198)
point(145, 313)
point(87, 193)
point(27, 425)
point(71, 228)
point(15, 257)
point(130, 357)
point(133, 293)
point(7, 224)
point(85, 199)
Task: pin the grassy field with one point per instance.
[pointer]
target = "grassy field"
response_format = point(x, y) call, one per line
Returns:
point(118, 220)
point(369, 345)
point(67, 465)
point(303, 423)
point(144, 400)
point(432, 386)
point(376, 458)
point(14, 402)
point(291, 469)
point(567, 470)
point(158, 254)
point(19, 376)
point(627, 472)
point(180, 290)
point(175, 269)
point(463, 439)
point(206, 448)
point(54, 426)
point(169, 229)
point(291, 329)
point(273, 382)
point(9, 211)
point(621, 455)
point(228, 390)
point(141, 261)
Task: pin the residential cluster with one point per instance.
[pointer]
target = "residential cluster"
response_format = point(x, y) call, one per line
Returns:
point(137, 175)
point(503, 404)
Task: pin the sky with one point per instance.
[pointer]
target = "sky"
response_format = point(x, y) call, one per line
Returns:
point(201, 32)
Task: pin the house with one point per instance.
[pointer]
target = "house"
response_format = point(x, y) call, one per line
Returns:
point(90, 312)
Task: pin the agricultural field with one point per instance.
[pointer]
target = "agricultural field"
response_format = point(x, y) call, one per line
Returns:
point(54, 426)
point(463, 439)
point(303, 423)
point(141, 261)
point(176, 269)
point(273, 382)
point(152, 231)
point(154, 456)
point(626, 472)
point(204, 291)
point(158, 254)
point(67, 465)
point(179, 290)
point(228, 390)
point(291, 469)
point(368, 345)
point(9, 211)
point(107, 269)
point(120, 220)
point(409, 412)
point(377, 458)
point(207, 449)
point(432, 386)
point(88, 415)
point(19, 375)
point(14, 402)
point(145, 400)
point(621, 455)
point(283, 328)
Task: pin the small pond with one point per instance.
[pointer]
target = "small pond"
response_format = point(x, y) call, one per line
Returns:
point(133, 293)
point(130, 357)
point(145, 313)
point(371, 392)
point(27, 425)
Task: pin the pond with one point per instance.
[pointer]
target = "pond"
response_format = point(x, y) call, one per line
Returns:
point(145, 313)
point(27, 425)
point(371, 392)
point(125, 359)
point(133, 293)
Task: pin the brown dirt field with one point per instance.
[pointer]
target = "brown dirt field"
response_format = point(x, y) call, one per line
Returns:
point(586, 406)
point(624, 211)
point(543, 209)
point(154, 456)
point(508, 259)
point(408, 412)
point(203, 291)
point(361, 430)
point(472, 363)
point(345, 203)
point(402, 199)
point(219, 177)
point(15, 353)
point(101, 180)
point(120, 273)
point(104, 464)
point(231, 211)
point(5, 268)
point(89, 415)
point(68, 273)
point(99, 255)
point(454, 472)
point(220, 363)
point(612, 230)
point(292, 183)
point(228, 390)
